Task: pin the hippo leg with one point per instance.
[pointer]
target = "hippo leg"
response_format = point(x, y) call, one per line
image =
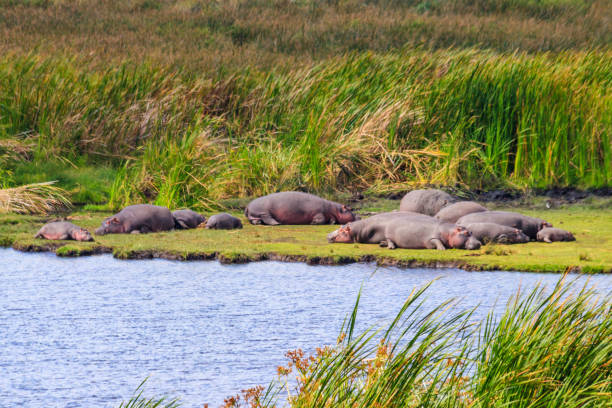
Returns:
point(383, 243)
point(135, 232)
point(437, 244)
point(39, 235)
point(145, 230)
point(391, 244)
point(268, 220)
point(547, 239)
point(318, 219)
point(183, 224)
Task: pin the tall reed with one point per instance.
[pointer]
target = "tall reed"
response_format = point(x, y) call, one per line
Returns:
point(361, 122)
point(549, 348)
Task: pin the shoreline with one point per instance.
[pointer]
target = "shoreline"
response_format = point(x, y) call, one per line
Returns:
point(64, 249)
point(590, 253)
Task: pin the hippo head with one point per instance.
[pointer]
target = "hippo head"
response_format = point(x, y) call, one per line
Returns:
point(458, 237)
point(342, 234)
point(111, 225)
point(515, 237)
point(82, 235)
point(344, 214)
point(472, 243)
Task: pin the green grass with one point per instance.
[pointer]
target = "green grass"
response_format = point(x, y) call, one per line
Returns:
point(590, 253)
point(369, 122)
point(549, 349)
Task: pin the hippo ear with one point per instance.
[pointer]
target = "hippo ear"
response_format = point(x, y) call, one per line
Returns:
point(345, 208)
point(114, 220)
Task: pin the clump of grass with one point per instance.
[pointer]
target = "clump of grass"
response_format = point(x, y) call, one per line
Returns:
point(39, 198)
point(549, 348)
point(139, 401)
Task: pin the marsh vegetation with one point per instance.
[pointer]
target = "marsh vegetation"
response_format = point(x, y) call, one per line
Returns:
point(189, 103)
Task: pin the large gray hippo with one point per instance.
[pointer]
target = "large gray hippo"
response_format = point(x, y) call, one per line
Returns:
point(428, 201)
point(187, 219)
point(452, 212)
point(372, 229)
point(487, 232)
point(139, 218)
point(417, 231)
point(421, 234)
point(529, 225)
point(223, 221)
point(61, 230)
point(554, 235)
point(294, 207)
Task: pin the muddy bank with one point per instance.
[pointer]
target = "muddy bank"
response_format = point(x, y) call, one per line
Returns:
point(64, 250)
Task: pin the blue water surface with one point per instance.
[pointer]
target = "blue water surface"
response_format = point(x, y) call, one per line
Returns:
point(85, 332)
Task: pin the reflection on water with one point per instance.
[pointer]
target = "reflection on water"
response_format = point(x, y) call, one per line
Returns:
point(85, 332)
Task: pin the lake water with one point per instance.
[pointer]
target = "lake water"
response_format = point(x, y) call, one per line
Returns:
point(84, 332)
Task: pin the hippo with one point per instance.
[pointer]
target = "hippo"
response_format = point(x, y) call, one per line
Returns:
point(427, 202)
point(63, 230)
point(487, 232)
point(139, 218)
point(296, 208)
point(418, 234)
point(187, 219)
point(223, 221)
point(529, 225)
point(554, 234)
point(372, 230)
point(452, 212)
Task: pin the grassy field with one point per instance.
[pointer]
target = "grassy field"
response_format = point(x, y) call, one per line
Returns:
point(590, 253)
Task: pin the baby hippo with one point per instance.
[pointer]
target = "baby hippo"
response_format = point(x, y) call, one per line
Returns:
point(554, 235)
point(187, 219)
point(223, 221)
point(487, 232)
point(62, 230)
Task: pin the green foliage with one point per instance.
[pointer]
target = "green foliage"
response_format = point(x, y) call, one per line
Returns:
point(549, 348)
point(371, 123)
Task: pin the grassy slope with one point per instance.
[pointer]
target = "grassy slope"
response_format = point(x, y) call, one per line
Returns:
point(592, 252)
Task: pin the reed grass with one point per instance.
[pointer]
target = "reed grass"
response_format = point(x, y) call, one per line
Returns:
point(39, 198)
point(549, 348)
point(362, 122)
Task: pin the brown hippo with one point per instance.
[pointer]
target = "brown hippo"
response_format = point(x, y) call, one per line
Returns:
point(187, 219)
point(554, 235)
point(418, 234)
point(487, 232)
point(223, 221)
point(371, 230)
point(139, 218)
point(529, 225)
point(428, 201)
point(61, 230)
point(452, 212)
point(294, 207)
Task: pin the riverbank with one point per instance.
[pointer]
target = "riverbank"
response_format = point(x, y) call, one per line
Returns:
point(590, 222)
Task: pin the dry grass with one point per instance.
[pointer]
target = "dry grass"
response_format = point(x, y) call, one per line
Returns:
point(206, 35)
point(39, 198)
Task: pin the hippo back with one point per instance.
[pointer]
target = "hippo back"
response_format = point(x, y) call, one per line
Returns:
point(529, 225)
point(428, 201)
point(451, 213)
